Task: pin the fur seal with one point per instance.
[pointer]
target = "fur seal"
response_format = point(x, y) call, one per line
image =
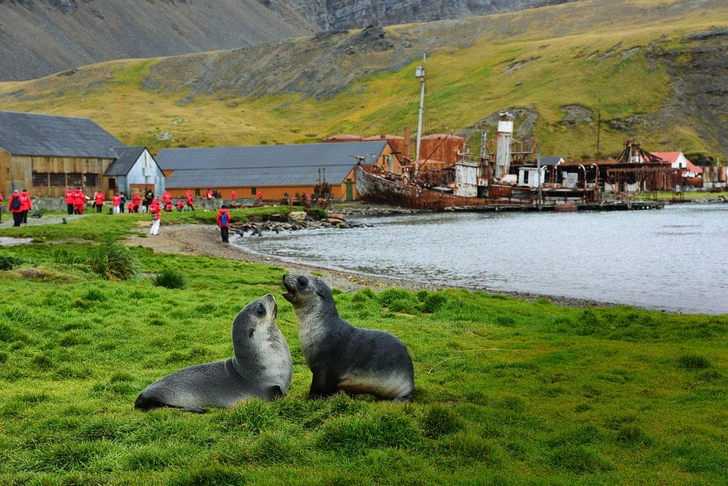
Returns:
point(344, 357)
point(261, 368)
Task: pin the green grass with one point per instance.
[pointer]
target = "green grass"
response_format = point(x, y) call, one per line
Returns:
point(507, 391)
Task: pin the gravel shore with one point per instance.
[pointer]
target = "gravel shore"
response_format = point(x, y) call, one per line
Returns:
point(199, 239)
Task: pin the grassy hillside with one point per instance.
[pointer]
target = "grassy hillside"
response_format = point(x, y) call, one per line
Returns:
point(594, 55)
point(507, 392)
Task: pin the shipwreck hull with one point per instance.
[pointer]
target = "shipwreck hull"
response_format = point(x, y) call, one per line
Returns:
point(389, 189)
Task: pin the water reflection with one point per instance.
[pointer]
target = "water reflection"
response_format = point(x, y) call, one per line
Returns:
point(673, 259)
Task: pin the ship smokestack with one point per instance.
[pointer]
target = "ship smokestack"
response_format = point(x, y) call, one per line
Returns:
point(503, 154)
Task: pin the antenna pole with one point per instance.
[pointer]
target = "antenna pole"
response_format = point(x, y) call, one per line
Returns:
point(420, 73)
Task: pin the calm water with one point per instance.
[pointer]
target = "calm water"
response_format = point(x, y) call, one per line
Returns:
point(675, 259)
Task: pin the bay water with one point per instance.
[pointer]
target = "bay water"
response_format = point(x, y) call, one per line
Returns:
point(674, 259)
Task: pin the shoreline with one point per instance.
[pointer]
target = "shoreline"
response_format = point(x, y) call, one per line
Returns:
point(204, 240)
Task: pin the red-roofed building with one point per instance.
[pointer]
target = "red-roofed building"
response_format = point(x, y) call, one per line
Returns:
point(678, 161)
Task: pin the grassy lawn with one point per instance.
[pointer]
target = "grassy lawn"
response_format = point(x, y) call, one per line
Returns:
point(507, 391)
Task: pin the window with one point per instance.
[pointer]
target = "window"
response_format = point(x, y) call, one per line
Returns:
point(75, 179)
point(58, 180)
point(40, 179)
point(253, 191)
point(112, 183)
point(92, 179)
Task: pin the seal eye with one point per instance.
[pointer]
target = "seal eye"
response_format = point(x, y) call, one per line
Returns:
point(302, 281)
point(260, 310)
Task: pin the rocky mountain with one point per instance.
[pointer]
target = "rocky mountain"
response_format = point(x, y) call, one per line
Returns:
point(41, 37)
point(655, 71)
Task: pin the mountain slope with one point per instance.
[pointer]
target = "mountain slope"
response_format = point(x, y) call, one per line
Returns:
point(40, 37)
point(653, 70)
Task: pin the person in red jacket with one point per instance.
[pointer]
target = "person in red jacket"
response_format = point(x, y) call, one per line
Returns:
point(156, 212)
point(116, 203)
point(136, 201)
point(15, 206)
point(79, 201)
point(70, 199)
point(233, 195)
point(99, 200)
point(25, 205)
point(190, 203)
point(166, 198)
point(180, 205)
point(223, 221)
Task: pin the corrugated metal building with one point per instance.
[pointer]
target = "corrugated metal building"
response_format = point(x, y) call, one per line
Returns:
point(275, 170)
point(135, 170)
point(45, 154)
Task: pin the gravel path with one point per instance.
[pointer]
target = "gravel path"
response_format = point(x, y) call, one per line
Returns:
point(198, 239)
point(205, 240)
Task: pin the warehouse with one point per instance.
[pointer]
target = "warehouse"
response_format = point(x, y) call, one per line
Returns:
point(277, 170)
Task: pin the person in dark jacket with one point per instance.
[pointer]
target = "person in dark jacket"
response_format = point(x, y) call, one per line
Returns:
point(223, 221)
point(16, 207)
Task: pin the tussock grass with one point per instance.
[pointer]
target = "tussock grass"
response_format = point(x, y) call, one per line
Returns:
point(507, 391)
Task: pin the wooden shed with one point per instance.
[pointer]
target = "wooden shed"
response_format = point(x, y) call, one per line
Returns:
point(134, 170)
point(275, 170)
point(46, 154)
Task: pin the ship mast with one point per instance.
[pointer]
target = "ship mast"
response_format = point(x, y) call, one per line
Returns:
point(420, 73)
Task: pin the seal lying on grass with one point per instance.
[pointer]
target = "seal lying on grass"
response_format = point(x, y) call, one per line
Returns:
point(261, 368)
point(344, 357)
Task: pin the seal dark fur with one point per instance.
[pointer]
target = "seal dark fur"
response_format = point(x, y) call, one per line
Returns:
point(344, 357)
point(261, 368)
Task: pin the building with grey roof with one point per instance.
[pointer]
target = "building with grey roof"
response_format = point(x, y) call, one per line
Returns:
point(135, 170)
point(275, 170)
point(45, 154)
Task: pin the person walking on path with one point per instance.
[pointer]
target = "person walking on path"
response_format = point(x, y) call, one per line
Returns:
point(116, 203)
point(70, 199)
point(122, 201)
point(223, 221)
point(79, 201)
point(25, 205)
point(99, 199)
point(15, 206)
point(156, 212)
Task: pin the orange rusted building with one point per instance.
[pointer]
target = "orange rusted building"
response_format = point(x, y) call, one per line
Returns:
point(275, 170)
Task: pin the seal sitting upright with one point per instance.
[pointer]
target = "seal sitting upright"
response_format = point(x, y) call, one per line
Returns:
point(261, 368)
point(344, 357)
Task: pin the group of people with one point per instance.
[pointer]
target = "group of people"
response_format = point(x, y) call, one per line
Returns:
point(75, 200)
point(19, 204)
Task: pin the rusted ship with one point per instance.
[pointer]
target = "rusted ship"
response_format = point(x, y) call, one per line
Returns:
point(507, 176)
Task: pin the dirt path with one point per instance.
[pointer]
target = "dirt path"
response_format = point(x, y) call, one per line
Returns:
point(197, 239)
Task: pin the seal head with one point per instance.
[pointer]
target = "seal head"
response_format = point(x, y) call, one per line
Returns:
point(261, 368)
point(343, 357)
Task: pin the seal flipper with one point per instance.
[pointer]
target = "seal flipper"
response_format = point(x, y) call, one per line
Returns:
point(146, 404)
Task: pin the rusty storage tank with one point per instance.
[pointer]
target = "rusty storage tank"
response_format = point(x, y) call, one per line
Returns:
point(343, 138)
point(442, 146)
point(395, 141)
